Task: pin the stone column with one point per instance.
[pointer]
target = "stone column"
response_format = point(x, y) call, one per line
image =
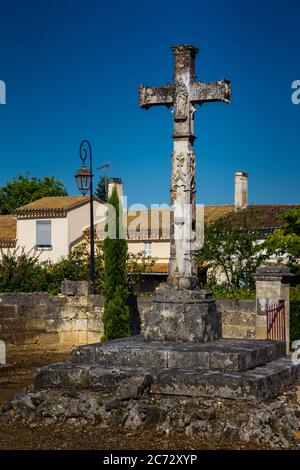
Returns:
point(272, 285)
point(183, 262)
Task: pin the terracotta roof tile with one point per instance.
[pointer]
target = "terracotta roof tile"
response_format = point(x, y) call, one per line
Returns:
point(62, 203)
point(213, 213)
point(8, 228)
point(262, 217)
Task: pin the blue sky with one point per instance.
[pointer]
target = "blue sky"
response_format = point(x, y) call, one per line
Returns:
point(72, 71)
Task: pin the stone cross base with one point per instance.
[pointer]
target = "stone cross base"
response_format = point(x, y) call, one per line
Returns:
point(179, 281)
point(184, 316)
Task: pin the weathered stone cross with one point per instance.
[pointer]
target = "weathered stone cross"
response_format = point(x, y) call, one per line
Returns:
point(184, 94)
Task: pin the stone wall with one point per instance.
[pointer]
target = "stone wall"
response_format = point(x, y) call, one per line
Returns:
point(38, 321)
point(238, 318)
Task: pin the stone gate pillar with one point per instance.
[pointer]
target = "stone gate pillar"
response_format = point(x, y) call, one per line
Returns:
point(272, 285)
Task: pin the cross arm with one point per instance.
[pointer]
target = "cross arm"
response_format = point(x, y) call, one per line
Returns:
point(216, 91)
point(155, 96)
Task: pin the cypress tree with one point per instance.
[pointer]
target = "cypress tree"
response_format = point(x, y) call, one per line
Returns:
point(116, 310)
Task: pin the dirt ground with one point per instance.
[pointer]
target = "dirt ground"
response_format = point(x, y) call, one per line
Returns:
point(17, 436)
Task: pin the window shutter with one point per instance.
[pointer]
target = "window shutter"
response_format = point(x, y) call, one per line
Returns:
point(43, 232)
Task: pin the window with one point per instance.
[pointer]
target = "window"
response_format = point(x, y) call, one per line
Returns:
point(43, 235)
point(148, 248)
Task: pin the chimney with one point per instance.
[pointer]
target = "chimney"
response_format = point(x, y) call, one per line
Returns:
point(115, 183)
point(240, 190)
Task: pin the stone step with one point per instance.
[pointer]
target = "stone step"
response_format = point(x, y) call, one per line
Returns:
point(223, 354)
point(261, 382)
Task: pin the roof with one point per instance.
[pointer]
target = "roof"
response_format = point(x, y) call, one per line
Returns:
point(155, 225)
point(260, 217)
point(214, 213)
point(57, 206)
point(8, 229)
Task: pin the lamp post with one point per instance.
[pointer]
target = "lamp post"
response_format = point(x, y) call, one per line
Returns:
point(84, 180)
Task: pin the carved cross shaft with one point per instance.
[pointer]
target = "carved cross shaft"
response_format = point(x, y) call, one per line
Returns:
point(184, 94)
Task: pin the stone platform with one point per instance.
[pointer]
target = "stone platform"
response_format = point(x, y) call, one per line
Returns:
point(235, 369)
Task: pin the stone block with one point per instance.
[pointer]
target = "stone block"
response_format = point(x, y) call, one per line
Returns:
point(8, 311)
point(262, 382)
point(235, 331)
point(95, 325)
point(49, 339)
point(64, 375)
point(66, 325)
point(188, 359)
point(82, 337)
point(80, 324)
point(93, 337)
point(68, 312)
point(113, 379)
point(68, 338)
point(78, 288)
point(37, 324)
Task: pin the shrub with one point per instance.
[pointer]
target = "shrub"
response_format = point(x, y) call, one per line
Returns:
point(75, 267)
point(221, 291)
point(21, 273)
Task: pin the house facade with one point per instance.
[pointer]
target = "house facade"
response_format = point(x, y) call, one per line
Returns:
point(49, 227)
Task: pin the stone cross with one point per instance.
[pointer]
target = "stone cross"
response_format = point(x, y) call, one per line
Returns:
point(184, 94)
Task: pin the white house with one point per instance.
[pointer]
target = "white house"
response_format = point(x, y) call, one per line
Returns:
point(49, 227)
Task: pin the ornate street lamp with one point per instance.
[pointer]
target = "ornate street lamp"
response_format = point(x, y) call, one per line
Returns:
point(84, 180)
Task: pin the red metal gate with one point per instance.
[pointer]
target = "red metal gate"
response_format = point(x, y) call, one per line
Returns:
point(276, 321)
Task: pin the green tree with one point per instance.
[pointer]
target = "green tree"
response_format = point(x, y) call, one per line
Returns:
point(116, 310)
point(102, 188)
point(22, 190)
point(285, 241)
point(232, 252)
